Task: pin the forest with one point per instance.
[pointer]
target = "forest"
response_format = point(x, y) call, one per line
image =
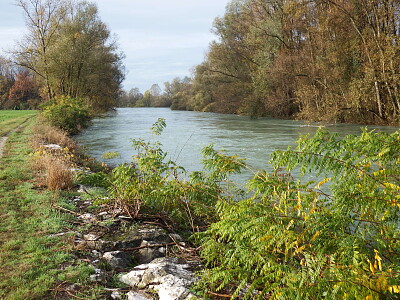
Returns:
point(321, 60)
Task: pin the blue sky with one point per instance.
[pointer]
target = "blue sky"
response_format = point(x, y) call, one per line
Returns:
point(161, 39)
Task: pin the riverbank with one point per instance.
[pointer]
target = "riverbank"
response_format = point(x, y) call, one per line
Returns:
point(277, 240)
point(126, 220)
point(57, 243)
point(31, 258)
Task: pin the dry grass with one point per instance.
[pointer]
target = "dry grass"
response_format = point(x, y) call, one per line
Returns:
point(56, 172)
point(46, 134)
point(59, 176)
point(53, 165)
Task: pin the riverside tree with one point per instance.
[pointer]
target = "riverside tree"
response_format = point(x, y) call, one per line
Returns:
point(70, 51)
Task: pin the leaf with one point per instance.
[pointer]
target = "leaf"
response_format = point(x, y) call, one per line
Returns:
point(322, 182)
point(394, 289)
point(315, 235)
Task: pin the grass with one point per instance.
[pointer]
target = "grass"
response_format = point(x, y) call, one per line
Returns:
point(10, 119)
point(31, 259)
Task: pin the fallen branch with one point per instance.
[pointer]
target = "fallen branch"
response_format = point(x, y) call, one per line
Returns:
point(93, 220)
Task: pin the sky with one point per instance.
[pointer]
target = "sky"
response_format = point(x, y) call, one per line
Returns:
point(161, 39)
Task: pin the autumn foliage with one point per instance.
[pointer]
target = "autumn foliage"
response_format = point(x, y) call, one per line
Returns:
point(324, 60)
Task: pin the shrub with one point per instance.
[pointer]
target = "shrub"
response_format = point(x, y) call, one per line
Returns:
point(154, 184)
point(335, 239)
point(69, 114)
point(97, 179)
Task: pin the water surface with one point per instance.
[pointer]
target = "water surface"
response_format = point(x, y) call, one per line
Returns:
point(188, 132)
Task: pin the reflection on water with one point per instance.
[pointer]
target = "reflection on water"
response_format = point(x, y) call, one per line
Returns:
point(188, 132)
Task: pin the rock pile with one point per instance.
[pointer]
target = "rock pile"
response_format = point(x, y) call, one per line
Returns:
point(137, 252)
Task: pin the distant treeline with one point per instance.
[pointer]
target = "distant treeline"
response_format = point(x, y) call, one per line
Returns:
point(336, 60)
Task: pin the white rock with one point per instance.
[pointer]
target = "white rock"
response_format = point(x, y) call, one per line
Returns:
point(167, 276)
point(116, 295)
point(134, 277)
point(97, 276)
point(91, 237)
point(87, 217)
point(53, 146)
point(136, 296)
point(117, 259)
point(61, 234)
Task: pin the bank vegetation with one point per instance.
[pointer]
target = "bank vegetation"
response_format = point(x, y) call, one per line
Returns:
point(320, 60)
point(276, 236)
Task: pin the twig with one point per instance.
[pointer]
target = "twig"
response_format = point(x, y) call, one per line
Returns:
point(60, 289)
point(94, 220)
point(67, 210)
point(150, 246)
point(74, 296)
point(219, 295)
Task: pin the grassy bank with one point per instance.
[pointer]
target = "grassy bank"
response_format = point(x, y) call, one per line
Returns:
point(33, 261)
point(10, 119)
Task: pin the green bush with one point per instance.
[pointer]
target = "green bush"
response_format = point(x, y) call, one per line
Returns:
point(156, 185)
point(69, 114)
point(98, 179)
point(335, 239)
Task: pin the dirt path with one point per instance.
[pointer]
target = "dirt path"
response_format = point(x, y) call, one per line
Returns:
point(4, 138)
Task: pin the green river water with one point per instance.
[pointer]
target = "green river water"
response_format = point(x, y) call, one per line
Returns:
point(188, 132)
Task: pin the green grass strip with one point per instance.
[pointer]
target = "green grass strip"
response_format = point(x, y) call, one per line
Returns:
point(10, 119)
point(30, 258)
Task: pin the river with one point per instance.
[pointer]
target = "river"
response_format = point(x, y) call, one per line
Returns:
point(188, 132)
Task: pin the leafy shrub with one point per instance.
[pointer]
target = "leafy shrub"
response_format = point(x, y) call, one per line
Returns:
point(294, 240)
point(69, 114)
point(157, 185)
point(98, 179)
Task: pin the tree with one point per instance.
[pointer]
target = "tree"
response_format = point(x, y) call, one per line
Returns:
point(129, 99)
point(331, 60)
point(70, 51)
point(85, 61)
point(24, 93)
point(7, 78)
point(43, 20)
point(155, 90)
